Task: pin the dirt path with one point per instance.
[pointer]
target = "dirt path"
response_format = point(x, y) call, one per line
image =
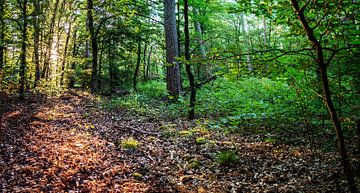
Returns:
point(70, 144)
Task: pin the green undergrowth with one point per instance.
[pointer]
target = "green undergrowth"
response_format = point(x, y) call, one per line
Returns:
point(245, 106)
point(246, 102)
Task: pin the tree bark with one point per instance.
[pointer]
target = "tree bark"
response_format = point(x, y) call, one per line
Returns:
point(94, 46)
point(23, 50)
point(46, 69)
point(246, 43)
point(36, 41)
point(2, 34)
point(100, 68)
point(202, 50)
point(171, 39)
point(148, 63)
point(144, 56)
point(188, 58)
point(68, 34)
point(327, 94)
point(111, 68)
point(138, 61)
point(73, 65)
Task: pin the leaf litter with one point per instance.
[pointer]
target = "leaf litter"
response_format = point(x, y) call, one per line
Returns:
point(70, 144)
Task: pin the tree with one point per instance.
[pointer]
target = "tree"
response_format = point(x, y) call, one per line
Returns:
point(36, 35)
point(187, 58)
point(137, 67)
point(172, 66)
point(2, 33)
point(22, 72)
point(322, 67)
point(46, 69)
point(94, 46)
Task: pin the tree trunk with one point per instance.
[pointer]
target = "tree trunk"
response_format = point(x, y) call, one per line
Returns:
point(23, 50)
point(265, 31)
point(201, 42)
point(188, 58)
point(246, 44)
point(68, 34)
point(36, 41)
point(2, 34)
point(136, 73)
point(111, 68)
point(144, 56)
point(46, 69)
point(172, 66)
point(327, 94)
point(100, 68)
point(72, 76)
point(148, 63)
point(94, 46)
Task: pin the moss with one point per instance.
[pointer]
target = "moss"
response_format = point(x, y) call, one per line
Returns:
point(193, 163)
point(201, 140)
point(137, 176)
point(185, 133)
point(129, 143)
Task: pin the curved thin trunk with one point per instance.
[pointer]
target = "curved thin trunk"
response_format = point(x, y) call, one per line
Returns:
point(327, 94)
point(136, 73)
point(188, 58)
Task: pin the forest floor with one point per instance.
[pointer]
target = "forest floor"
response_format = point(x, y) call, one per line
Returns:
point(69, 143)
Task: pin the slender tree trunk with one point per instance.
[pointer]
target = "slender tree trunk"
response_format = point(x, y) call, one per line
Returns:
point(171, 39)
point(246, 43)
point(148, 63)
point(100, 68)
point(111, 68)
point(68, 34)
point(265, 31)
point(86, 55)
point(2, 34)
point(138, 61)
point(202, 50)
point(23, 50)
point(36, 41)
point(46, 69)
point(144, 58)
point(187, 57)
point(327, 94)
point(73, 65)
point(94, 46)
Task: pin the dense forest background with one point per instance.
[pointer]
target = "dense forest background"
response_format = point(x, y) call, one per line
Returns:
point(286, 70)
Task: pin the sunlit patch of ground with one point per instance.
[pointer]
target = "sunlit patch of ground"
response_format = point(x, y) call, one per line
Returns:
point(55, 155)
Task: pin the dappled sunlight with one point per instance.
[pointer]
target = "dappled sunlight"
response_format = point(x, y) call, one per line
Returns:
point(58, 155)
